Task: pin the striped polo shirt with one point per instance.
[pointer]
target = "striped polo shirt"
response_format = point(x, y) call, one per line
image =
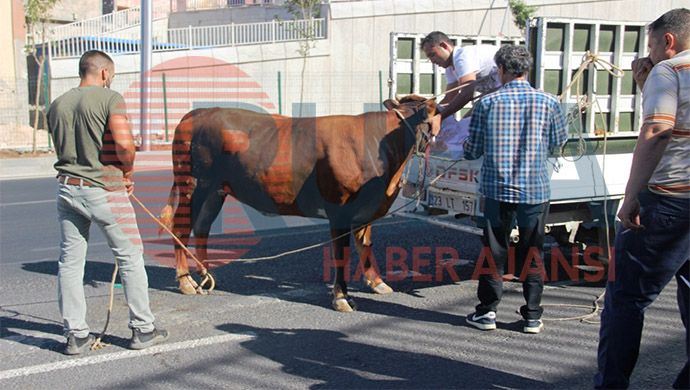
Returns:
point(666, 100)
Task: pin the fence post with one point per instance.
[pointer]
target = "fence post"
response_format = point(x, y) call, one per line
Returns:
point(46, 97)
point(381, 90)
point(165, 109)
point(189, 36)
point(280, 96)
point(273, 31)
point(232, 34)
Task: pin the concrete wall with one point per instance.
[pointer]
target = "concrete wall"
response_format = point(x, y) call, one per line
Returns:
point(70, 11)
point(14, 109)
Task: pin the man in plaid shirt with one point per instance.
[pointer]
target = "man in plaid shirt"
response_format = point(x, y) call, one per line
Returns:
point(514, 129)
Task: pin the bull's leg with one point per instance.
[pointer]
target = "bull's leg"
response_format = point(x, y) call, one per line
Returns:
point(182, 228)
point(371, 273)
point(341, 301)
point(207, 203)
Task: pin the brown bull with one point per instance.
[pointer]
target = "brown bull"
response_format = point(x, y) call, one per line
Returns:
point(343, 168)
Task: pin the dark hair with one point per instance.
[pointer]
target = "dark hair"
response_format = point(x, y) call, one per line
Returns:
point(514, 59)
point(434, 38)
point(676, 22)
point(92, 61)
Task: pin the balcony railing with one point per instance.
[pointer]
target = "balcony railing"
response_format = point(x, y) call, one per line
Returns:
point(247, 33)
point(197, 37)
point(104, 24)
point(213, 4)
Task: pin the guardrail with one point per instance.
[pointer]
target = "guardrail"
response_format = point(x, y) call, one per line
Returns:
point(103, 24)
point(196, 37)
point(247, 33)
point(213, 4)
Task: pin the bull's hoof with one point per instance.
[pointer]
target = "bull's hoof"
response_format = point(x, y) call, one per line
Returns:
point(187, 285)
point(382, 288)
point(344, 305)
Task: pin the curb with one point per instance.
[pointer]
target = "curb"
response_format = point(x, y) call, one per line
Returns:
point(41, 167)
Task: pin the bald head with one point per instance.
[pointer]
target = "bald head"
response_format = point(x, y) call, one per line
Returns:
point(96, 68)
point(92, 62)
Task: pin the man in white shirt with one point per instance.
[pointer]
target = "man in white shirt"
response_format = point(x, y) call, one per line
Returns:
point(472, 66)
point(463, 65)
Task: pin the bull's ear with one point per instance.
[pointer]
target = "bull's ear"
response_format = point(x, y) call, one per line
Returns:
point(431, 106)
point(391, 104)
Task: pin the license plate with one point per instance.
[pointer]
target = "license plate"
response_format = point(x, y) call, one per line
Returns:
point(459, 204)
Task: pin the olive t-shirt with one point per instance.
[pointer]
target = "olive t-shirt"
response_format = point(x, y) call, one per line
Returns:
point(78, 122)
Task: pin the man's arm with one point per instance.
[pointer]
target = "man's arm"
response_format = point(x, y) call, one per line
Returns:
point(650, 147)
point(124, 148)
point(449, 96)
point(462, 97)
point(124, 142)
point(558, 132)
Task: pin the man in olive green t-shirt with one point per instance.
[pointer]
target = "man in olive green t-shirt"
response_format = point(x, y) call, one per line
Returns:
point(96, 151)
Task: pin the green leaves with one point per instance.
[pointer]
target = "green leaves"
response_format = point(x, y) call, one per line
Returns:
point(521, 12)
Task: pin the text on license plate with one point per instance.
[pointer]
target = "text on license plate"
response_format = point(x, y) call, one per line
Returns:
point(458, 204)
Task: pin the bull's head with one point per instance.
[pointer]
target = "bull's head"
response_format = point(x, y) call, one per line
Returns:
point(418, 115)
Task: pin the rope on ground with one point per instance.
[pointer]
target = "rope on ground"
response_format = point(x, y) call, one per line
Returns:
point(583, 318)
point(99, 343)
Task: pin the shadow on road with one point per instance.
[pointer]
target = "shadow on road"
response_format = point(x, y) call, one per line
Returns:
point(336, 362)
point(97, 272)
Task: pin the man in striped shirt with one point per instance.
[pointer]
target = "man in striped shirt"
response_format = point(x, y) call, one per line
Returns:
point(654, 242)
point(514, 129)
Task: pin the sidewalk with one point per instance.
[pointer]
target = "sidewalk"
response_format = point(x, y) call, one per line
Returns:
point(36, 167)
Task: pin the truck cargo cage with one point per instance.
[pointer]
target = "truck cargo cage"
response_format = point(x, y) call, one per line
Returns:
point(578, 60)
point(559, 46)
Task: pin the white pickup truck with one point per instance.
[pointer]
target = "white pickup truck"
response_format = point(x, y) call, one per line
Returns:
point(590, 175)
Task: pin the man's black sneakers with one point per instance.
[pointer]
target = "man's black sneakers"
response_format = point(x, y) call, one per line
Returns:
point(142, 340)
point(78, 345)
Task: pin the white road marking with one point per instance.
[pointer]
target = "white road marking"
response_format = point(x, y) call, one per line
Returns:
point(109, 357)
point(27, 203)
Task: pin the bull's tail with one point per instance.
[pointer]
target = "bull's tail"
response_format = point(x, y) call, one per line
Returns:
point(182, 168)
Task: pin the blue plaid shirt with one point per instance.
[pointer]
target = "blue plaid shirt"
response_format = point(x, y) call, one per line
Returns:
point(515, 128)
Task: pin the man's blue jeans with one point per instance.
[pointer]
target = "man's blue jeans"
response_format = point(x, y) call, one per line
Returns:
point(645, 262)
point(500, 218)
point(77, 207)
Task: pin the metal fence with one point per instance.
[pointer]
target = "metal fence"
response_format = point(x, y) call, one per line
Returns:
point(196, 37)
point(99, 25)
point(212, 4)
point(16, 116)
point(247, 33)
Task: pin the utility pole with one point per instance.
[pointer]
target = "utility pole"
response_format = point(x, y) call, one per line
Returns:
point(145, 48)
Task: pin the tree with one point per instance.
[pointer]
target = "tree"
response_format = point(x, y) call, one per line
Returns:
point(521, 13)
point(308, 10)
point(37, 13)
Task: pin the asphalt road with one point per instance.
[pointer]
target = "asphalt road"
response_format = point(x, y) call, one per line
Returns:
point(269, 323)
